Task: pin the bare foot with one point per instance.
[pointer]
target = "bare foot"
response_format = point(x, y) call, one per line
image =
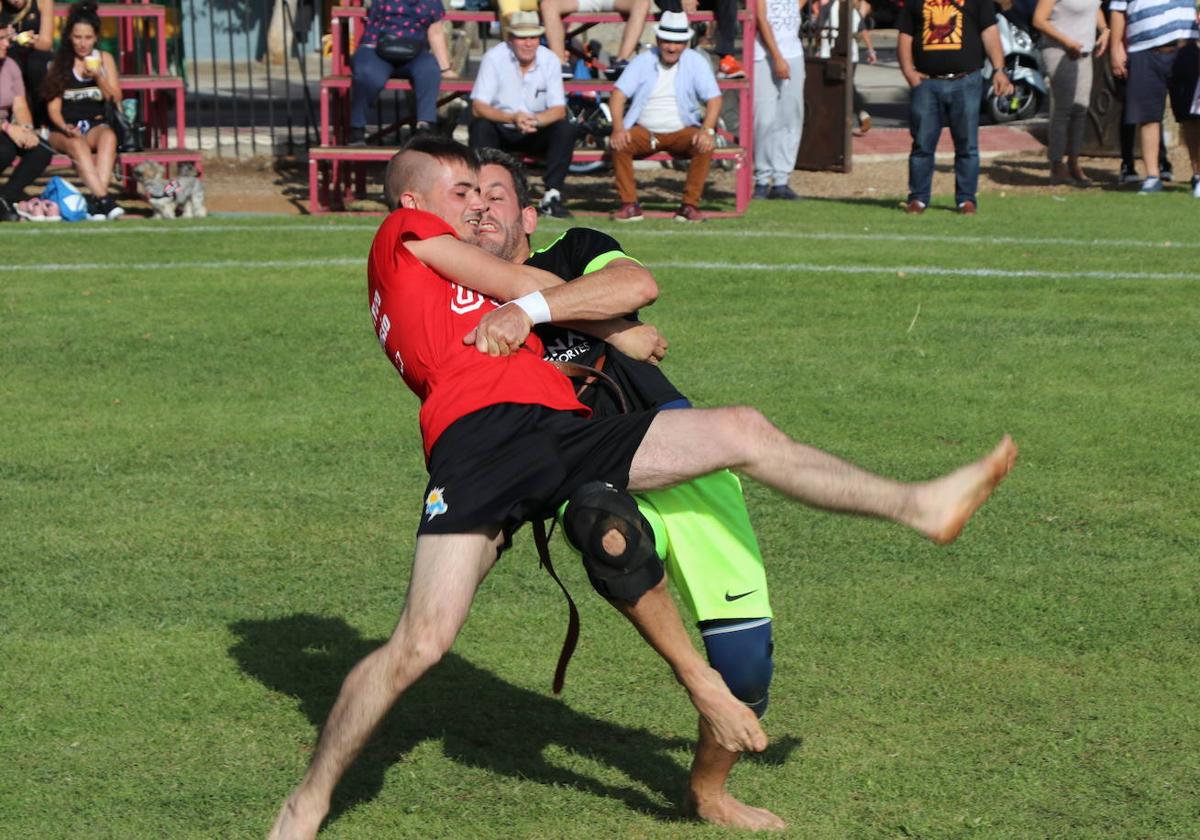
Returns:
point(723, 809)
point(295, 822)
point(946, 504)
point(734, 726)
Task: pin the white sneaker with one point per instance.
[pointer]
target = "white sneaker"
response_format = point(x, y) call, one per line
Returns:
point(1196, 186)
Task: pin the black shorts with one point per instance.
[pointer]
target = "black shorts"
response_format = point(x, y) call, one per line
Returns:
point(507, 464)
point(1153, 75)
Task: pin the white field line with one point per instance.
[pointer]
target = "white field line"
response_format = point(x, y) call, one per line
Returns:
point(790, 268)
point(117, 229)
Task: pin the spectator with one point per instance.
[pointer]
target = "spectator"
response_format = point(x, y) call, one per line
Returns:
point(79, 83)
point(1154, 47)
point(17, 136)
point(778, 96)
point(519, 105)
point(33, 25)
point(725, 11)
point(829, 23)
point(634, 12)
point(941, 47)
point(1129, 173)
point(404, 39)
point(1071, 28)
point(674, 104)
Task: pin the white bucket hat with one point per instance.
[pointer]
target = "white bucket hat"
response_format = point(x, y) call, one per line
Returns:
point(673, 26)
point(525, 25)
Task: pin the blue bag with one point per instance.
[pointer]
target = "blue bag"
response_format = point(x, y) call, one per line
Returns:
point(71, 203)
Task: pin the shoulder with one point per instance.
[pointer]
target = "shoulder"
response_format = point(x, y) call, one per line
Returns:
point(497, 53)
point(405, 225)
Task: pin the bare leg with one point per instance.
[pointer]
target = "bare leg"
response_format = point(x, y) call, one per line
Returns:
point(446, 572)
point(1148, 133)
point(104, 140)
point(556, 35)
point(709, 800)
point(1191, 139)
point(683, 444)
point(731, 723)
point(635, 12)
point(81, 155)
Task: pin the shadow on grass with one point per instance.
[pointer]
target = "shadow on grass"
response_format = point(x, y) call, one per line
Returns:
point(482, 720)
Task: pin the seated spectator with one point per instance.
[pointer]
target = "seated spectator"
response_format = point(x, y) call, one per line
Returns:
point(17, 136)
point(518, 105)
point(673, 106)
point(634, 12)
point(728, 67)
point(33, 26)
point(81, 79)
point(403, 39)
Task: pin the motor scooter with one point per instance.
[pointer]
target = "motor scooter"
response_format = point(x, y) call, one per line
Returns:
point(1024, 67)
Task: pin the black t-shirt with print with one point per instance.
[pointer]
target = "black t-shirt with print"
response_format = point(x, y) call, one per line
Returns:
point(946, 34)
point(644, 385)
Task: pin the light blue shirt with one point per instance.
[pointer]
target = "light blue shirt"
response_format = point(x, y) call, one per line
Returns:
point(695, 84)
point(501, 84)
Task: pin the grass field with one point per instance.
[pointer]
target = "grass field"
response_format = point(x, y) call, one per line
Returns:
point(210, 478)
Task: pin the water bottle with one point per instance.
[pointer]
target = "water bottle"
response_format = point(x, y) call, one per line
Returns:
point(130, 107)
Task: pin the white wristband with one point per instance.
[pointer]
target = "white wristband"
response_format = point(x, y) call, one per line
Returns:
point(534, 305)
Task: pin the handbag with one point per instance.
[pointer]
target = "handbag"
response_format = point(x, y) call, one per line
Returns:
point(396, 49)
point(128, 134)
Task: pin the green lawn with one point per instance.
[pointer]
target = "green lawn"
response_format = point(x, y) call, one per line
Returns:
point(210, 478)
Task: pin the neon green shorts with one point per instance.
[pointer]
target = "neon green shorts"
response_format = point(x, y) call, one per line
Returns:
point(702, 532)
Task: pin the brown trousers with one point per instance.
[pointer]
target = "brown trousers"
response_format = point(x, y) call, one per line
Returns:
point(679, 143)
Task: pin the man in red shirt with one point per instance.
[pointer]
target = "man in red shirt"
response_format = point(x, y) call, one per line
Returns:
point(507, 441)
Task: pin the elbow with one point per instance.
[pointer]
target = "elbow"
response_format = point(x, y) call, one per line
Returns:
point(646, 287)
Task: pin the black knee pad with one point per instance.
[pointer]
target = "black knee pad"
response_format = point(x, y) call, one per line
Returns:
point(741, 651)
point(594, 510)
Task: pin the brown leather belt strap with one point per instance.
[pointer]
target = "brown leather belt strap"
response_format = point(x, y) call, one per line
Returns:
point(541, 540)
point(590, 375)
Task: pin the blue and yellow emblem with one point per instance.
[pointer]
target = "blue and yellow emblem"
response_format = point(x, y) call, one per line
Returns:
point(435, 503)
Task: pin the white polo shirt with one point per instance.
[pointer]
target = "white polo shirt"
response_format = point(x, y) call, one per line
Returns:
point(501, 84)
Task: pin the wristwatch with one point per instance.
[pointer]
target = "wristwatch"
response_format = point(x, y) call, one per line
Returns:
point(711, 132)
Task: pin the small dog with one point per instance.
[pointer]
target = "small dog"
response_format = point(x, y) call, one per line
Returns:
point(181, 196)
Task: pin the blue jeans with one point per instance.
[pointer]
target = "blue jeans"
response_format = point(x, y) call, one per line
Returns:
point(936, 103)
point(371, 73)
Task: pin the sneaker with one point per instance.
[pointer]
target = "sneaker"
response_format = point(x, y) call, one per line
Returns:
point(1166, 175)
point(761, 191)
point(567, 71)
point(783, 193)
point(967, 208)
point(864, 122)
point(30, 210)
point(1196, 186)
point(1151, 185)
point(552, 205)
point(914, 207)
point(8, 213)
point(357, 137)
point(689, 213)
point(109, 207)
point(730, 68)
point(51, 211)
point(95, 212)
point(629, 213)
point(1129, 175)
point(614, 70)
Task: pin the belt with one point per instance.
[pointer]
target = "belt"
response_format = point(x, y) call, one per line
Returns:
point(950, 77)
point(1168, 48)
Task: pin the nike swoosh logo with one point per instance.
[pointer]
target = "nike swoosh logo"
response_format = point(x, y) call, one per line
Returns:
point(729, 597)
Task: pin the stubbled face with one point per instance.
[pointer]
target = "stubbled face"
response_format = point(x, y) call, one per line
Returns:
point(504, 225)
point(525, 49)
point(83, 39)
point(669, 51)
point(454, 197)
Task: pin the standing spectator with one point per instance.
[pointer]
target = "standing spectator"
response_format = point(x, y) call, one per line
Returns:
point(33, 27)
point(778, 96)
point(941, 47)
point(1074, 29)
point(81, 79)
point(1154, 46)
point(634, 12)
point(405, 39)
point(519, 105)
point(674, 104)
point(17, 136)
point(829, 23)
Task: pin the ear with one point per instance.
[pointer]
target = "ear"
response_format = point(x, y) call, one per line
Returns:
point(409, 201)
point(529, 220)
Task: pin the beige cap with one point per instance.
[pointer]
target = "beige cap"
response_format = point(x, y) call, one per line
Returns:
point(525, 25)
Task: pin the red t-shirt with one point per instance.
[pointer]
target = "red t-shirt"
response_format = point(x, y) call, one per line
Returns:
point(421, 318)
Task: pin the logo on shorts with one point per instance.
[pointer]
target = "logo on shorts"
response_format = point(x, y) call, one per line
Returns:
point(435, 503)
point(732, 598)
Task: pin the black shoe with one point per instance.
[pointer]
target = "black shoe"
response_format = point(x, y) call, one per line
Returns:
point(357, 137)
point(1166, 174)
point(423, 127)
point(8, 213)
point(553, 207)
point(615, 69)
point(109, 207)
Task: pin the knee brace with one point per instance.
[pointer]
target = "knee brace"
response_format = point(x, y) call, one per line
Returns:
point(628, 566)
point(740, 650)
